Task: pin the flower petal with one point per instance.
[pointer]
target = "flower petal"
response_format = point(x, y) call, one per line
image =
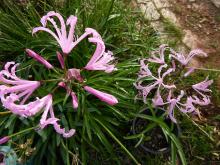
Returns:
point(39, 58)
point(109, 99)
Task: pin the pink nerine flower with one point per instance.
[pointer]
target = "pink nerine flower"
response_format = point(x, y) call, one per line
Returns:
point(146, 73)
point(100, 60)
point(40, 59)
point(34, 107)
point(160, 52)
point(15, 86)
point(184, 60)
point(109, 99)
point(67, 41)
point(4, 140)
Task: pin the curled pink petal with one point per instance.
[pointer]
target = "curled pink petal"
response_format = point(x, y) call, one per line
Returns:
point(61, 60)
point(52, 120)
point(109, 99)
point(203, 86)
point(191, 70)
point(100, 59)
point(74, 100)
point(160, 59)
point(144, 70)
point(40, 59)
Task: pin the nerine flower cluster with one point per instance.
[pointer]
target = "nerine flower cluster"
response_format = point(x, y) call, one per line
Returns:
point(15, 92)
point(162, 76)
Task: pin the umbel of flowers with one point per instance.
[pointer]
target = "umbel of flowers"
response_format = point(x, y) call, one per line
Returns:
point(165, 82)
point(15, 91)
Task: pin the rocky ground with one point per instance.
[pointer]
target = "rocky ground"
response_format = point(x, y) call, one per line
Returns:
point(189, 23)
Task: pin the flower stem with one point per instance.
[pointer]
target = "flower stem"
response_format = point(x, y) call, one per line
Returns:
point(214, 70)
point(50, 80)
point(23, 131)
point(5, 113)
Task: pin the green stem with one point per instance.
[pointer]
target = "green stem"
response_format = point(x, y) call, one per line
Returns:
point(201, 129)
point(5, 113)
point(214, 70)
point(50, 80)
point(23, 131)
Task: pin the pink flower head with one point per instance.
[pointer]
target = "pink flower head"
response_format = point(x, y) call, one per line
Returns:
point(185, 60)
point(15, 88)
point(160, 52)
point(109, 99)
point(145, 73)
point(4, 140)
point(39, 58)
point(100, 59)
point(34, 107)
point(61, 60)
point(67, 41)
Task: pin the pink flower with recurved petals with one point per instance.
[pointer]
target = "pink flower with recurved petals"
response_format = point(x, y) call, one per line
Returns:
point(184, 60)
point(66, 40)
point(158, 81)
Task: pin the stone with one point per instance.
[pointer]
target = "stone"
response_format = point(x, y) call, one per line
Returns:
point(161, 3)
point(150, 11)
point(158, 26)
point(216, 3)
point(143, 1)
point(166, 13)
point(190, 40)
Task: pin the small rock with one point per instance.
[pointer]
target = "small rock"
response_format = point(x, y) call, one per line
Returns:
point(189, 6)
point(161, 3)
point(169, 15)
point(150, 11)
point(216, 3)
